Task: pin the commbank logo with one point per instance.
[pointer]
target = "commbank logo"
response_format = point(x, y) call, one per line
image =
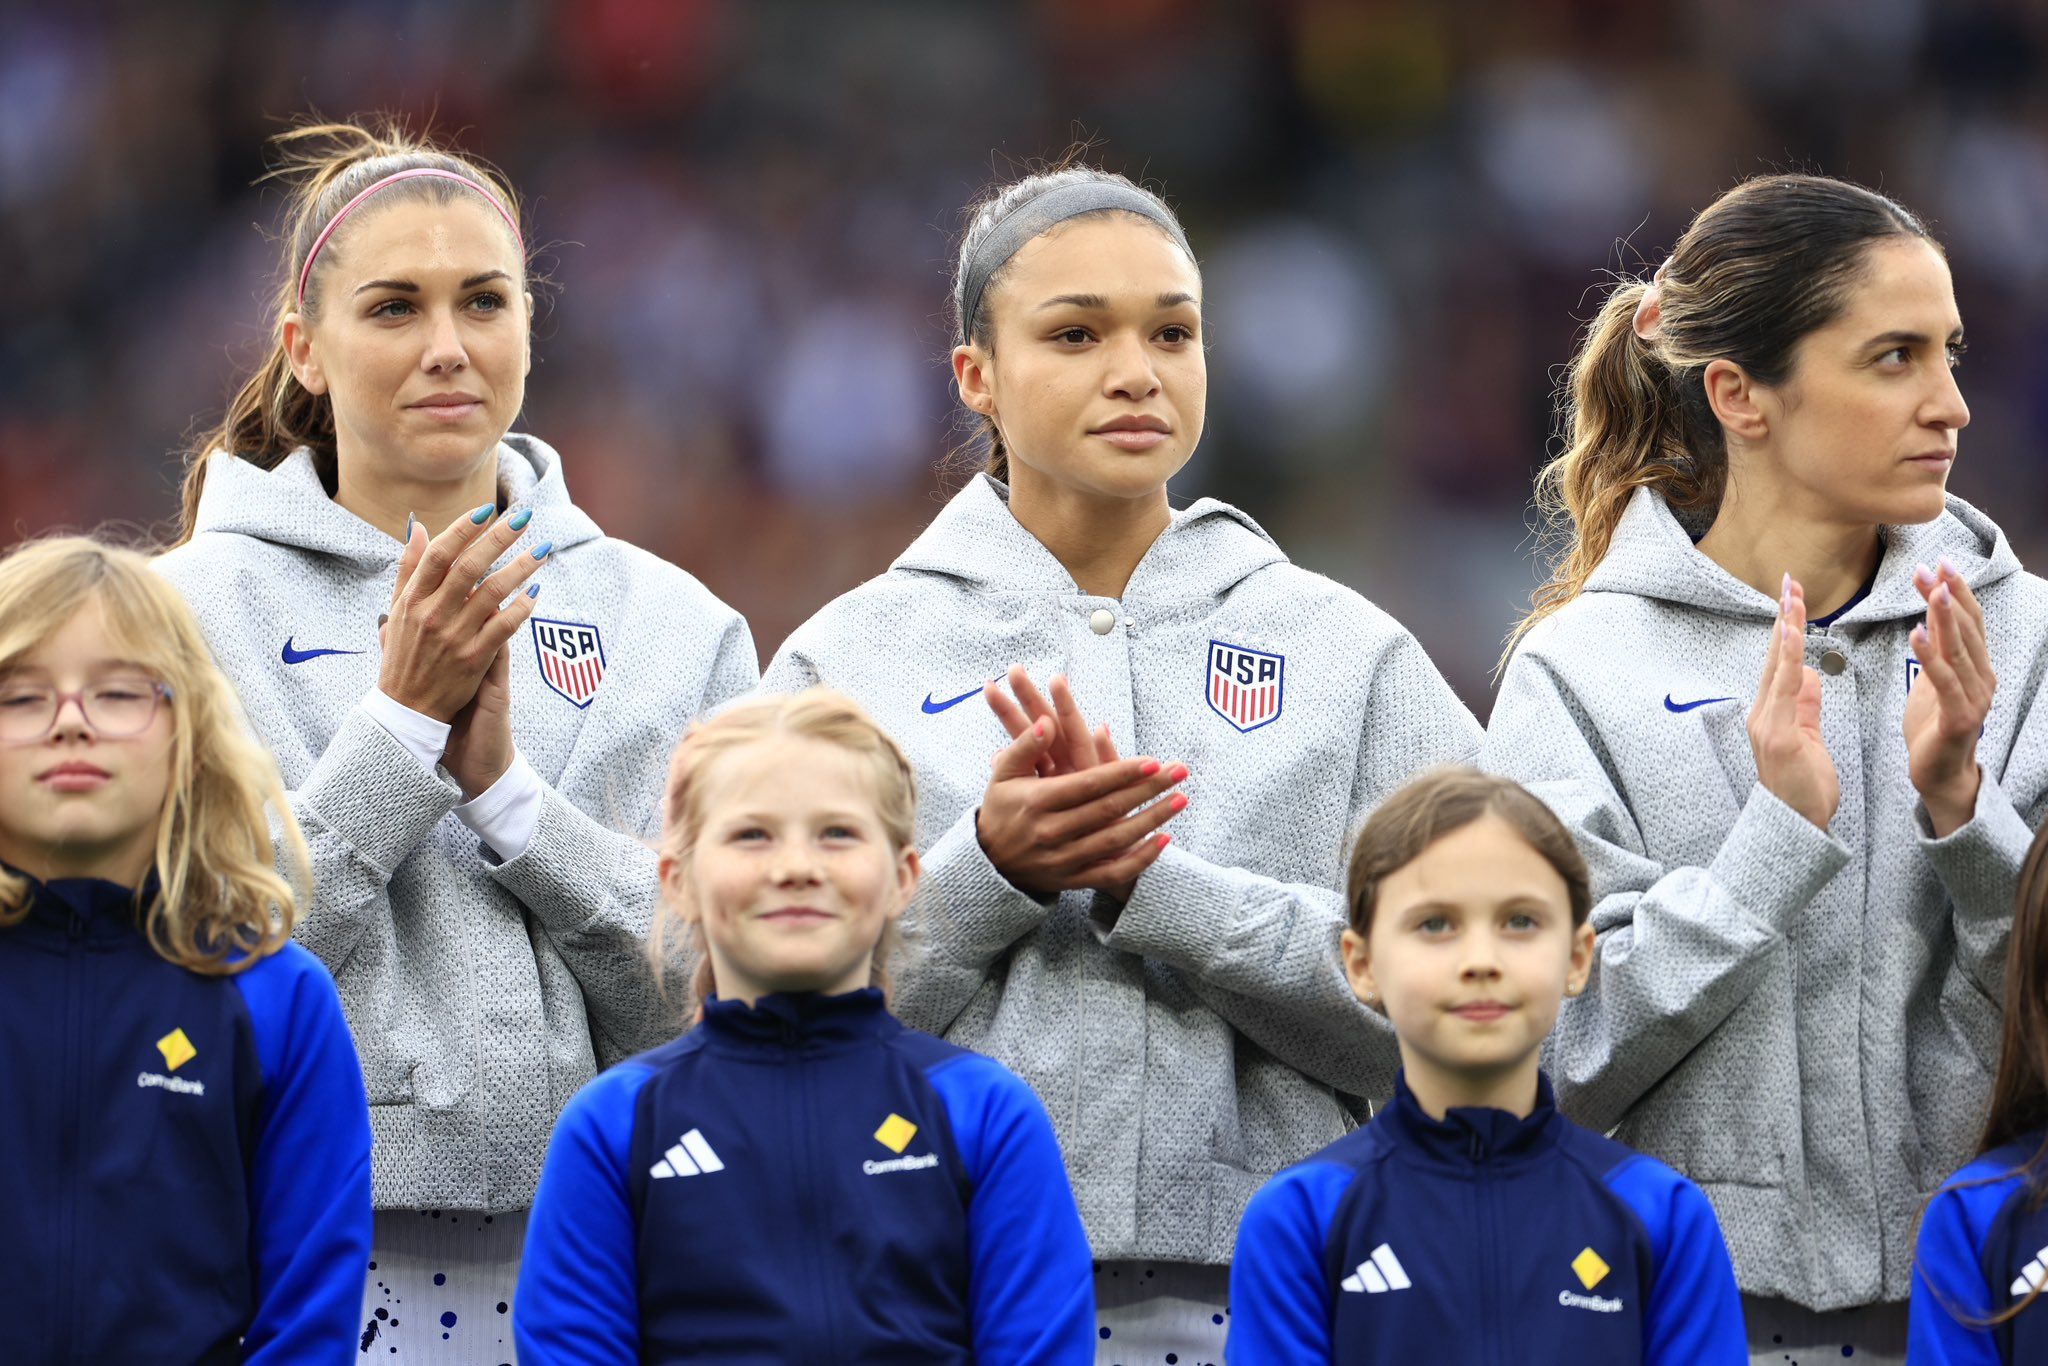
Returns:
point(691, 1156)
point(1379, 1273)
point(177, 1050)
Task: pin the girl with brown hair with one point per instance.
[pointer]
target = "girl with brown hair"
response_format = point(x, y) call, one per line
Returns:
point(1982, 1254)
point(1802, 883)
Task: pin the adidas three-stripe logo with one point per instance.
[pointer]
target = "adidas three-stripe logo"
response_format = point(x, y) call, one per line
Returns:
point(1379, 1273)
point(691, 1156)
point(2032, 1274)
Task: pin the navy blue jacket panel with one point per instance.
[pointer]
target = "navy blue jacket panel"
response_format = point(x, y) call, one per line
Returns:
point(188, 1155)
point(805, 1180)
point(1482, 1238)
point(1982, 1251)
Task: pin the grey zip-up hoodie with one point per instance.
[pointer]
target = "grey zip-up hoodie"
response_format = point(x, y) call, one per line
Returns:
point(1198, 1041)
point(482, 992)
point(1804, 1022)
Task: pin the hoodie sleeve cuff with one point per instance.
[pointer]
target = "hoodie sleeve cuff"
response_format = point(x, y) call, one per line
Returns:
point(1979, 861)
point(1180, 911)
point(1774, 860)
point(370, 790)
point(981, 914)
point(423, 737)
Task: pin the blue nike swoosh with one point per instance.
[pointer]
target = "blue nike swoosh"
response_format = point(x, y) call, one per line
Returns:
point(932, 708)
point(1669, 705)
point(292, 656)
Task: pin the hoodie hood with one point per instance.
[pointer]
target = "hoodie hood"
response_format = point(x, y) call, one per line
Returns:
point(1205, 551)
point(1653, 556)
point(289, 505)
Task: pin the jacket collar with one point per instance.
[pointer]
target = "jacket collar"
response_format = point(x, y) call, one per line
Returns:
point(1204, 551)
point(805, 1019)
point(289, 505)
point(87, 908)
point(1653, 556)
point(1468, 1136)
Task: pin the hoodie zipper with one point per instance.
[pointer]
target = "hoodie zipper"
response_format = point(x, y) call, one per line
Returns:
point(70, 1164)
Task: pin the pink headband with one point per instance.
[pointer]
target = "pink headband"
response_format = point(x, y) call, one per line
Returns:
point(306, 271)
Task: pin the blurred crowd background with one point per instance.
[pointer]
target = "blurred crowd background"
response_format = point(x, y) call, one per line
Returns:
point(1405, 210)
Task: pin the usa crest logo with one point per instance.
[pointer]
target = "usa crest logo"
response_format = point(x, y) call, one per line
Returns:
point(1246, 687)
point(571, 658)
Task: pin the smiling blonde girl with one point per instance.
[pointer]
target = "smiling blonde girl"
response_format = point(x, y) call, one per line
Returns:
point(800, 1178)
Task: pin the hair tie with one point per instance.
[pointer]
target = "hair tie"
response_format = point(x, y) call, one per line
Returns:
point(1026, 221)
point(1651, 310)
point(414, 173)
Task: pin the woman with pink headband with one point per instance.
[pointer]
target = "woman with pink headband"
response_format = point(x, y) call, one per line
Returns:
point(477, 763)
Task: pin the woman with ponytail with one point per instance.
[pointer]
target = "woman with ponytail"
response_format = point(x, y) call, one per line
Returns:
point(1762, 687)
point(477, 772)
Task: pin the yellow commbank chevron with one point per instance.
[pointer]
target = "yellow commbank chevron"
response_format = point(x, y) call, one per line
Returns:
point(177, 1049)
point(1590, 1268)
point(895, 1133)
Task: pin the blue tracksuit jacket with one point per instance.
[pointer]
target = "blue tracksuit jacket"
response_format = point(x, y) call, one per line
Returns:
point(1983, 1248)
point(187, 1173)
point(1482, 1240)
point(805, 1180)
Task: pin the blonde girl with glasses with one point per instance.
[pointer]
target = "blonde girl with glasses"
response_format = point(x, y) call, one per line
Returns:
point(188, 1143)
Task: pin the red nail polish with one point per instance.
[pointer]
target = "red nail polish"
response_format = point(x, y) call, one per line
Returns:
point(1149, 767)
point(1179, 802)
point(1165, 839)
point(1180, 773)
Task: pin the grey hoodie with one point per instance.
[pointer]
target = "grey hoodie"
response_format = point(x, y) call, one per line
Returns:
point(1205, 1037)
point(1802, 1021)
point(481, 992)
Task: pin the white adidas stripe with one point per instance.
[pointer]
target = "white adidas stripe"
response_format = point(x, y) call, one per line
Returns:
point(2032, 1274)
point(691, 1156)
point(1379, 1273)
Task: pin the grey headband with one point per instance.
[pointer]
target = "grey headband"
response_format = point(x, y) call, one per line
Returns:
point(1034, 216)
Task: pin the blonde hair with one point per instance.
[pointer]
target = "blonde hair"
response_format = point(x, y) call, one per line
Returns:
point(813, 714)
point(325, 165)
point(1760, 268)
point(220, 903)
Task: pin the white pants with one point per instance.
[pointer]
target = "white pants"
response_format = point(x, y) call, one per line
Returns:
point(439, 1289)
point(1147, 1313)
point(1786, 1334)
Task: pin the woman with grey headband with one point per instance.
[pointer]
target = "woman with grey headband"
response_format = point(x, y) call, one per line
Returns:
point(1151, 942)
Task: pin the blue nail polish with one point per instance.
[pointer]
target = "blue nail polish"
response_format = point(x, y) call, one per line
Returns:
point(483, 514)
point(521, 518)
point(540, 552)
point(408, 528)
point(533, 590)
